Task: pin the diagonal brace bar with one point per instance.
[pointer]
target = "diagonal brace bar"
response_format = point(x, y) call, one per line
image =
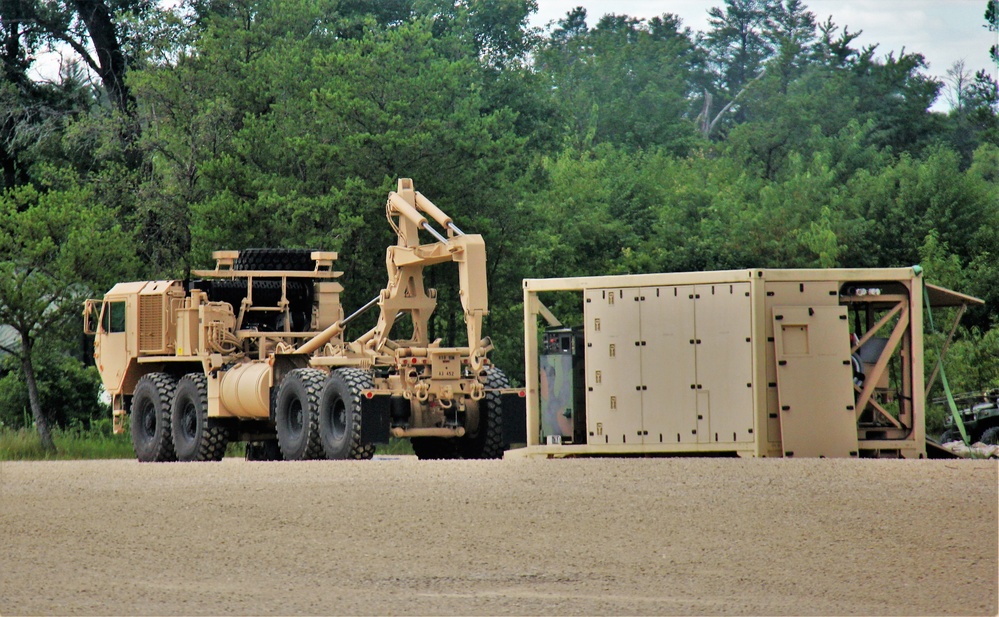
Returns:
point(870, 382)
point(876, 327)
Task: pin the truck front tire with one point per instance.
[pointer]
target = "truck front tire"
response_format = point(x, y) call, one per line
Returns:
point(152, 400)
point(194, 437)
point(296, 414)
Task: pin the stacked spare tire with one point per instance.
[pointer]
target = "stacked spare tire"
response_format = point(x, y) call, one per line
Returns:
point(267, 290)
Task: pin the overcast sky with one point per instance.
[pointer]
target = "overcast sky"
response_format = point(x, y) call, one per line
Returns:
point(942, 30)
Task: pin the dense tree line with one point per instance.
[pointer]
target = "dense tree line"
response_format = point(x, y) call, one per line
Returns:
point(632, 145)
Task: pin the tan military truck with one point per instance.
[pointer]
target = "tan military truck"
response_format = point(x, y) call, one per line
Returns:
point(255, 351)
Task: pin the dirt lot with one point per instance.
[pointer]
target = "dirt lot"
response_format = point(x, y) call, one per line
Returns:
point(400, 536)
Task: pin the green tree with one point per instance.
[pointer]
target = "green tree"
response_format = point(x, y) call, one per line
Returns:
point(992, 24)
point(32, 114)
point(737, 46)
point(908, 199)
point(288, 127)
point(626, 82)
point(790, 28)
point(973, 118)
point(56, 248)
point(69, 391)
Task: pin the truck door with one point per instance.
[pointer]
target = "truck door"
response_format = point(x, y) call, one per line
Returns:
point(111, 343)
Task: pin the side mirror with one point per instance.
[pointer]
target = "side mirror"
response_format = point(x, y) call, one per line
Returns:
point(91, 316)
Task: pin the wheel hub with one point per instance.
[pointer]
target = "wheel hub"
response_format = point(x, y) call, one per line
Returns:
point(149, 421)
point(189, 421)
point(295, 417)
point(339, 419)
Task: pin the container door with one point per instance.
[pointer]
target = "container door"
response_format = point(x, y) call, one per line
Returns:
point(815, 381)
point(669, 405)
point(613, 366)
point(724, 362)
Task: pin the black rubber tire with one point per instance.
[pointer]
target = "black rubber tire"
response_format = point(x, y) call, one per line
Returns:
point(274, 259)
point(486, 441)
point(858, 370)
point(296, 414)
point(266, 292)
point(266, 450)
point(434, 448)
point(950, 435)
point(150, 418)
point(340, 415)
point(991, 436)
point(195, 435)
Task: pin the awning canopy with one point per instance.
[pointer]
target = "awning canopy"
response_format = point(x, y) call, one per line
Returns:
point(943, 297)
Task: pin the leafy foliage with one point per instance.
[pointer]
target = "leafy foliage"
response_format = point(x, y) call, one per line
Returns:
point(48, 266)
point(68, 390)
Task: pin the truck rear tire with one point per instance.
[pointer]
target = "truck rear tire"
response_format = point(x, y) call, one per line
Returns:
point(486, 441)
point(151, 402)
point(296, 414)
point(194, 436)
point(991, 436)
point(340, 415)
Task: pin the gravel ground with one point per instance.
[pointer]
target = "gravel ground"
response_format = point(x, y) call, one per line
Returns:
point(587, 536)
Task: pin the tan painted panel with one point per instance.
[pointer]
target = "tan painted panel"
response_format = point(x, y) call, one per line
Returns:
point(152, 333)
point(613, 366)
point(725, 361)
point(669, 409)
point(814, 380)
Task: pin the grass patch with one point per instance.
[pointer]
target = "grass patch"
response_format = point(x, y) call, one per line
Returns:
point(100, 443)
point(71, 444)
point(395, 447)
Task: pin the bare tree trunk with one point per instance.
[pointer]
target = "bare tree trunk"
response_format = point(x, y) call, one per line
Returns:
point(97, 17)
point(13, 67)
point(34, 400)
point(112, 65)
point(708, 127)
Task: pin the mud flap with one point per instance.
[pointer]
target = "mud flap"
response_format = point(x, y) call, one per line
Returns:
point(514, 418)
point(375, 418)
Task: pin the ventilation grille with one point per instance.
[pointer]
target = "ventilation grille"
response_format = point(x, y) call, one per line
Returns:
point(151, 324)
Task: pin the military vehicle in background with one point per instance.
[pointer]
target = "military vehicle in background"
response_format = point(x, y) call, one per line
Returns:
point(980, 418)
